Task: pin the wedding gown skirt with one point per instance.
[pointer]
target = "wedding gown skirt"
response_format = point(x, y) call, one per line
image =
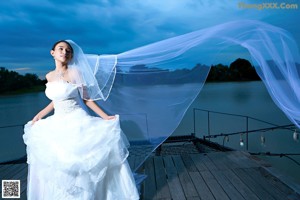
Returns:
point(73, 155)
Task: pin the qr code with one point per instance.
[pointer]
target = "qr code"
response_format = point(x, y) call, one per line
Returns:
point(10, 188)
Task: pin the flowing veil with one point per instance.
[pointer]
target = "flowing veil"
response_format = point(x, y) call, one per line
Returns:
point(151, 87)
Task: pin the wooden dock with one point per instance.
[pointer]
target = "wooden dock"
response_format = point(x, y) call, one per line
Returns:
point(214, 175)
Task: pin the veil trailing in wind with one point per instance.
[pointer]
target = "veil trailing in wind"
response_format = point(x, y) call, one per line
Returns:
point(151, 87)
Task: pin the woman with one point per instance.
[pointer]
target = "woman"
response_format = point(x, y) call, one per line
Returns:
point(73, 155)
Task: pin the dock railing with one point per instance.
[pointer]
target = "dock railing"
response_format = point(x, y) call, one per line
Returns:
point(246, 131)
point(289, 127)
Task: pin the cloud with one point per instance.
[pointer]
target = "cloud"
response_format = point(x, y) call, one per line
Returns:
point(28, 29)
point(22, 69)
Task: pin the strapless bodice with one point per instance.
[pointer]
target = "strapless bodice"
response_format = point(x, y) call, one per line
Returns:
point(64, 95)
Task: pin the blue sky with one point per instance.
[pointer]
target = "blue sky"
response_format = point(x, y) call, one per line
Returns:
point(29, 28)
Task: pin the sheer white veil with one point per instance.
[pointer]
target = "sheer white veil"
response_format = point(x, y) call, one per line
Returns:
point(94, 74)
point(154, 85)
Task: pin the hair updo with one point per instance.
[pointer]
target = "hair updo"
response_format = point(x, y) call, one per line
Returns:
point(71, 48)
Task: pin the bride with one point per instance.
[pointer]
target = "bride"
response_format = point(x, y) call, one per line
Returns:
point(71, 154)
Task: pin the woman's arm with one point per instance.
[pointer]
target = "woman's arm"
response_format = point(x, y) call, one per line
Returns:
point(43, 112)
point(92, 105)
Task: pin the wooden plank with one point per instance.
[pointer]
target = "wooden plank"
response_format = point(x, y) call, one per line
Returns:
point(263, 182)
point(198, 161)
point(19, 171)
point(253, 185)
point(201, 187)
point(185, 179)
point(4, 166)
point(239, 185)
point(22, 176)
point(239, 160)
point(188, 162)
point(24, 184)
point(173, 180)
point(214, 186)
point(221, 160)
point(275, 181)
point(149, 183)
point(163, 191)
point(228, 187)
point(9, 173)
point(3, 169)
point(193, 198)
point(208, 163)
point(242, 159)
point(5, 174)
point(23, 197)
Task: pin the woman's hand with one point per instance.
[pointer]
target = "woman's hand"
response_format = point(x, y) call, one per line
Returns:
point(35, 119)
point(43, 113)
point(92, 105)
point(110, 117)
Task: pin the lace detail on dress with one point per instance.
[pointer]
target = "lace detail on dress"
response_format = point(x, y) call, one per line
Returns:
point(65, 106)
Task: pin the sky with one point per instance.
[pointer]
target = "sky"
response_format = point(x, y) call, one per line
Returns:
point(29, 28)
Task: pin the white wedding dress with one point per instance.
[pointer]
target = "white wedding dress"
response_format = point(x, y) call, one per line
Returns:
point(73, 155)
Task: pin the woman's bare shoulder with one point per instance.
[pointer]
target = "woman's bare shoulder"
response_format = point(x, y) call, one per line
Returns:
point(49, 76)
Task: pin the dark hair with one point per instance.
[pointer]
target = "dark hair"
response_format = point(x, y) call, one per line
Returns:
point(54, 45)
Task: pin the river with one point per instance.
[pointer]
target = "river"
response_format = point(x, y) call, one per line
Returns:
point(240, 98)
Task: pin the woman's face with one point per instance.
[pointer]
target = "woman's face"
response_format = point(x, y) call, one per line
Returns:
point(62, 53)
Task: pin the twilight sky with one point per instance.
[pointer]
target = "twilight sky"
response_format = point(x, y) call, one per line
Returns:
point(28, 28)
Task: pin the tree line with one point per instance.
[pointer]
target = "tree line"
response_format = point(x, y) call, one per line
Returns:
point(239, 70)
point(13, 81)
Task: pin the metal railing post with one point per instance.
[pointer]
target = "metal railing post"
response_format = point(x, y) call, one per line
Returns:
point(247, 129)
point(208, 122)
point(194, 118)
